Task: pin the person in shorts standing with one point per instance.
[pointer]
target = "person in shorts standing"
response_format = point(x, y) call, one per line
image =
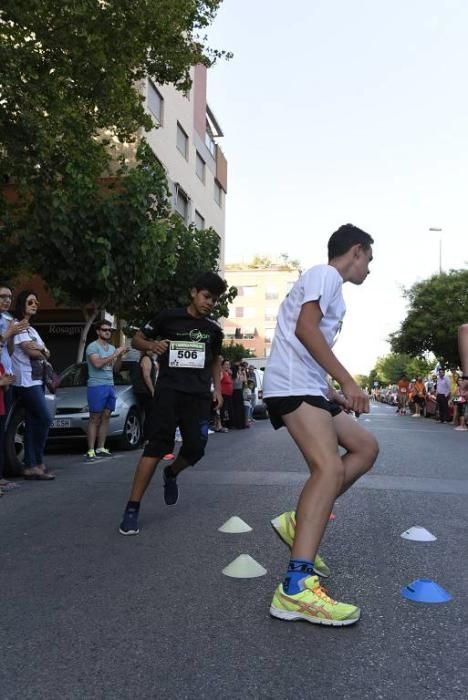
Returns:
point(188, 344)
point(419, 396)
point(103, 360)
point(298, 396)
point(403, 389)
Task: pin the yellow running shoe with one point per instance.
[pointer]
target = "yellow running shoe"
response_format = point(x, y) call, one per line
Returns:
point(285, 526)
point(314, 605)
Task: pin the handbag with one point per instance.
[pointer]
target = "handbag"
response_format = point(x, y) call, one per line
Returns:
point(50, 377)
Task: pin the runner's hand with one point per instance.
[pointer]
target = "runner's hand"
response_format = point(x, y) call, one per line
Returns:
point(341, 401)
point(160, 346)
point(358, 400)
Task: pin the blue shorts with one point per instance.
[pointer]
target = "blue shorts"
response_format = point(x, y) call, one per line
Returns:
point(101, 397)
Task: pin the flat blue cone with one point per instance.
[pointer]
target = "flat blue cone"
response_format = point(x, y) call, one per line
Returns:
point(423, 590)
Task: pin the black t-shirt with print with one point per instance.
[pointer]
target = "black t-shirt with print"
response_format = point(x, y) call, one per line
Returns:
point(194, 342)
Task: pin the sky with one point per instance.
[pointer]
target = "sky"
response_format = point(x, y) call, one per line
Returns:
point(336, 111)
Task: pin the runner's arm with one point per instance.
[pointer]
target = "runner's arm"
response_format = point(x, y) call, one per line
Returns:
point(141, 342)
point(216, 376)
point(309, 333)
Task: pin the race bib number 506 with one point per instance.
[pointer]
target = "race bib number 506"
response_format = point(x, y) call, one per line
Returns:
point(186, 354)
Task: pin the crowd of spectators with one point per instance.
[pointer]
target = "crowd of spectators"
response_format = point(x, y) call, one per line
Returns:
point(239, 389)
point(440, 396)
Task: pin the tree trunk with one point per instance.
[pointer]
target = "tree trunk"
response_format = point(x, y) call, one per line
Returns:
point(90, 314)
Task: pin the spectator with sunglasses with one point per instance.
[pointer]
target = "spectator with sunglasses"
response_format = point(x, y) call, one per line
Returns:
point(29, 353)
point(103, 360)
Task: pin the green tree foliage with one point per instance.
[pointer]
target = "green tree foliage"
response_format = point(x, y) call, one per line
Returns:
point(70, 74)
point(118, 249)
point(389, 368)
point(437, 307)
point(235, 352)
point(362, 380)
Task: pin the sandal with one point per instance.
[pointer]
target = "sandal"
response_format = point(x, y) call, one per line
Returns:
point(39, 476)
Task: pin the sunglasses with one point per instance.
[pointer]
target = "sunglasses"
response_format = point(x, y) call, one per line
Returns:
point(32, 302)
point(105, 330)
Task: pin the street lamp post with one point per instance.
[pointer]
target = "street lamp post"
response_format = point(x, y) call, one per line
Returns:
point(439, 230)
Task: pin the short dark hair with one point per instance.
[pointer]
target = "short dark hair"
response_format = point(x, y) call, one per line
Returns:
point(20, 303)
point(345, 237)
point(211, 282)
point(6, 285)
point(101, 323)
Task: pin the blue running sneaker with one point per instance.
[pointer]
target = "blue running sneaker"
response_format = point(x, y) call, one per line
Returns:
point(129, 524)
point(171, 490)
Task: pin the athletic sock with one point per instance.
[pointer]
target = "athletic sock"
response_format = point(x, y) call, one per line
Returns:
point(298, 570)
point(133, 505)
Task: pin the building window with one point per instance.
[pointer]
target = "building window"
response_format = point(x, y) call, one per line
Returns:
point(247, 291)
point(182, 204)
point(239, 311)
point(270, 313)
point(269, 333)
point(209, 140)
point(155, 102)
point(200, 167)
point(271, 292)
point(218, 193)
point(199, 220)
point(182, 141)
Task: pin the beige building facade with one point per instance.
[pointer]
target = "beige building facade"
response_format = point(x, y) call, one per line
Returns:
point(253, 314)
point(185, 141)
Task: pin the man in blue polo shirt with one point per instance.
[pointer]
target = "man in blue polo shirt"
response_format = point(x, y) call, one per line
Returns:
point(103, 360)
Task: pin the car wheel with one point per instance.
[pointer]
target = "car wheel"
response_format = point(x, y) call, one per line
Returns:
point(14, 444)
point(132, 433)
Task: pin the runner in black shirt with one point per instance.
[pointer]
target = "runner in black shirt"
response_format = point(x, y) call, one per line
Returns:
point(188, 343)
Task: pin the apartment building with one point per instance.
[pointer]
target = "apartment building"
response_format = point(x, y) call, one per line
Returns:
point(253, 314)
point(185, 140)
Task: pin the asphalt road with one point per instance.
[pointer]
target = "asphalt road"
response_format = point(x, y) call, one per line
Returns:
point(89, 614)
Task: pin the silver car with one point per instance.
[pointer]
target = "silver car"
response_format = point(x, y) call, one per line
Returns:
point(72, 411)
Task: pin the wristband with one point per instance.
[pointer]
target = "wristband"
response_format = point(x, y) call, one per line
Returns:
point(464, 377)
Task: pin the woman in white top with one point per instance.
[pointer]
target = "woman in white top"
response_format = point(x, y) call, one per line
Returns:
point(29, 355)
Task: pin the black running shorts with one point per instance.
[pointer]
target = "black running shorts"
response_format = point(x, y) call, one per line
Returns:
point(191, 412)
point(279, 406)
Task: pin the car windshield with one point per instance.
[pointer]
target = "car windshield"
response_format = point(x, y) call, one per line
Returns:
point(77, 375)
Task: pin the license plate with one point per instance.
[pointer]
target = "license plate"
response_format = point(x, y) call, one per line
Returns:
point(61, 423)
